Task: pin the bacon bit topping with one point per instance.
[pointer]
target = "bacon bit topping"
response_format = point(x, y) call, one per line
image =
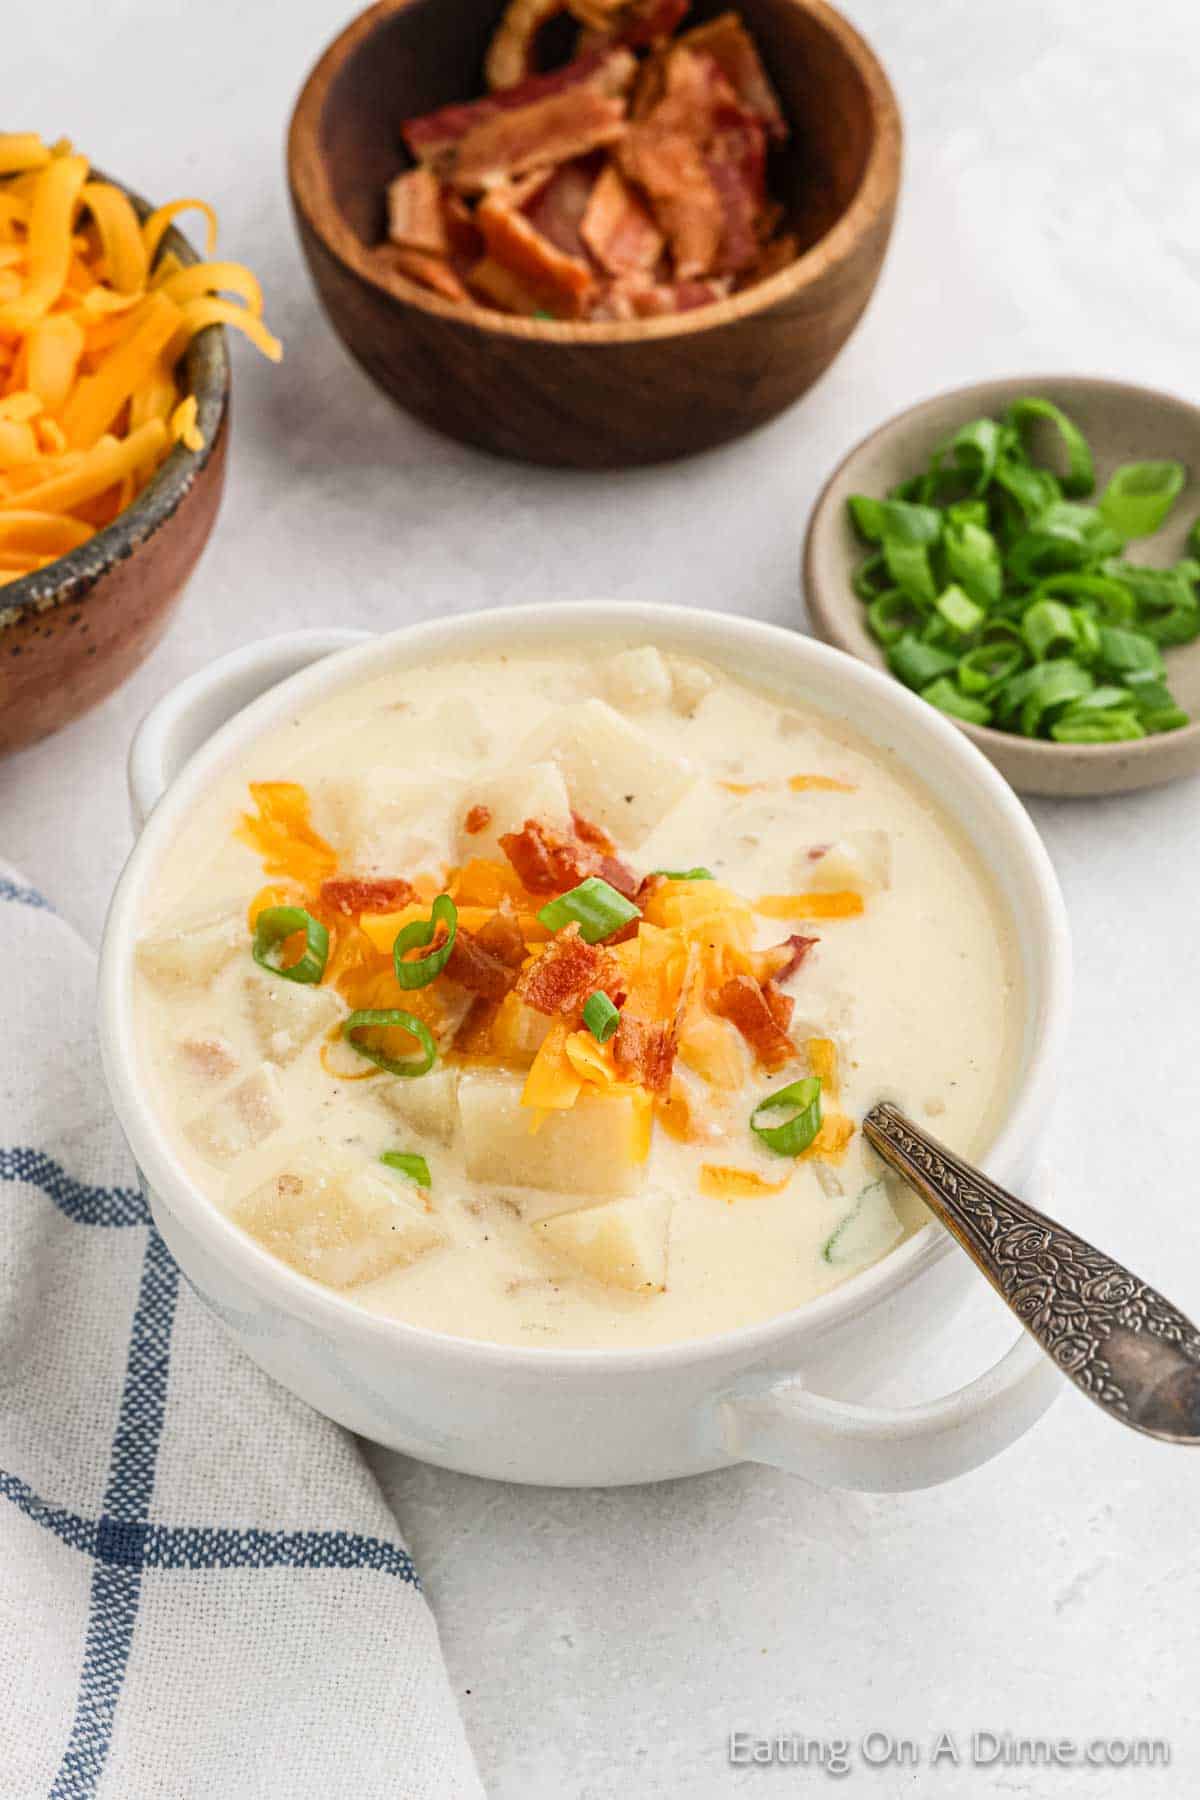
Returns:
point(503, 936)
point(780, 1005)
point(477, 969)
point(645, 1052)
point(550, 131)
point(429, 136)
point(563, 282)
point(843, 905)
point(745, 1003)
point(730, 46)
point(478, 819)
point(351, 895)
point(566, 972)
point(649, 169)
point(718, 1182)
point(781, 961)
point(595, 835)
point(474, 1035)
point(617, 229)
point(415, 216)
point(433, 272)
point(549, 864)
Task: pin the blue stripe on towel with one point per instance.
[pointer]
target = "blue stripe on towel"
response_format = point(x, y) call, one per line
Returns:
point(23, 896)
point(85, 1204)
point(121, 1534)
point(189, 1547)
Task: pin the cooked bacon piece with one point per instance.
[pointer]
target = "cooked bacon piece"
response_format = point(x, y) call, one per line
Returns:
point(500, 287)
point(352, 895)
point(431, 135)
point(736, 166)
point(780, 1005)
point(670, 167)
point(729, 44)
point(415, 217)
point(511, 52)
point(564, 282)
point(595, 835)
point(637, 23)
point(636, 298)
point(549, 864)
point(566, 972)
point(645, 1052)
point(475, 968)
point(474, 1035)
point(617, 229)
point(478, 819)
point(430, 271)
point(781, 961)
point(558, 207)
point(550, 131)
point(745, 1004)
point(501, 937)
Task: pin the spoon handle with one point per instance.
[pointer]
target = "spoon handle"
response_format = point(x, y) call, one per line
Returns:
point(1121, 1342)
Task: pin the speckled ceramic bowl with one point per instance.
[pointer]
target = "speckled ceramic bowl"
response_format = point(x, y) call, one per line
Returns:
point(73, 631)
point(1123, 424)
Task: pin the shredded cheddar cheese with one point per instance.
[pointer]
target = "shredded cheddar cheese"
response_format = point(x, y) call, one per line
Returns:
point(93, 322)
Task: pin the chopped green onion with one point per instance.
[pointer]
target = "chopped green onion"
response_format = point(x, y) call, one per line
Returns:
point(421, 971)
point(276, 923)
point(803, 1100)
point(960, 612)
point(983, 669)
point(1047, 626)
point(918, 664)
point(1140, 495)
point(594, 906)
point(1000, 597)
point(407, 1162)
point(600, 1016)
point(684, 874)
point(392, 1019)
point(943, 694)
point(1080, 477)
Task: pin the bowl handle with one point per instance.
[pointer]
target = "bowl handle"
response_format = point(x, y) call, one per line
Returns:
point(187, 716)
point(880, 1450)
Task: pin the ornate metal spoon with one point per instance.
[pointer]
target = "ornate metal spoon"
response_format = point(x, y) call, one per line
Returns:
point(1118, 1340)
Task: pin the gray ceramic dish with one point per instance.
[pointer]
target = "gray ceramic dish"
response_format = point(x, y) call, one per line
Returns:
point(1122, 424)
point(72, 632)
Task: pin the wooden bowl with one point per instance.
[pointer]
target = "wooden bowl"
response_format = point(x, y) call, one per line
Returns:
point(1123, 424)
point(593, 395)
point(73, 631)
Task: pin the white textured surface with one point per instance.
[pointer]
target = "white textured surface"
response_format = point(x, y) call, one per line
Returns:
point(609, 1641)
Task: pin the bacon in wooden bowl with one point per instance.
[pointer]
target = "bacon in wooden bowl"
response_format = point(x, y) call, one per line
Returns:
point(597, 264)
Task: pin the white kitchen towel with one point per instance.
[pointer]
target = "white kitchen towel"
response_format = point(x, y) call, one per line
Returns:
point(202, 1592)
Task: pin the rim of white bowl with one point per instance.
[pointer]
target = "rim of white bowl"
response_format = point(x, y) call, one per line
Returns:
point(717, 637)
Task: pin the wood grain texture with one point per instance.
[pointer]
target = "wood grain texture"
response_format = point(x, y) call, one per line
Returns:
point(593, 395)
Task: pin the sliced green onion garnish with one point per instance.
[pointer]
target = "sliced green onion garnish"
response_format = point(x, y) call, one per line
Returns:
point(392, 1019)
point(420, 972)
point(1140, 495)
point(1001, 597)
point(278, 923)
point(684, 874)
point(594, 906)
point(407, 1162)
point(601, 1017)
point(802, 1099)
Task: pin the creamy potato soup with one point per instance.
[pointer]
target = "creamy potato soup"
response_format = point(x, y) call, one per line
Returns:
point(539, 998)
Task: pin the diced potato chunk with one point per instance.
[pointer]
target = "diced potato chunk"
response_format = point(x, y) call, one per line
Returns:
point(429, 1103)
point(241, 1119)
point(339, 1219)
point(861, 861)
point(590, 1148)
point(286, 1015)
point(622, 1243)
point(690, 681)
point(392, 822)
point(192, 953)
point(616, 774)
point(525, 791)
point(634, 679)
point(208, 1055)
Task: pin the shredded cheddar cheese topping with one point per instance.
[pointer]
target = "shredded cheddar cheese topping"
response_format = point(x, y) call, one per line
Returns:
point(93, 323)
